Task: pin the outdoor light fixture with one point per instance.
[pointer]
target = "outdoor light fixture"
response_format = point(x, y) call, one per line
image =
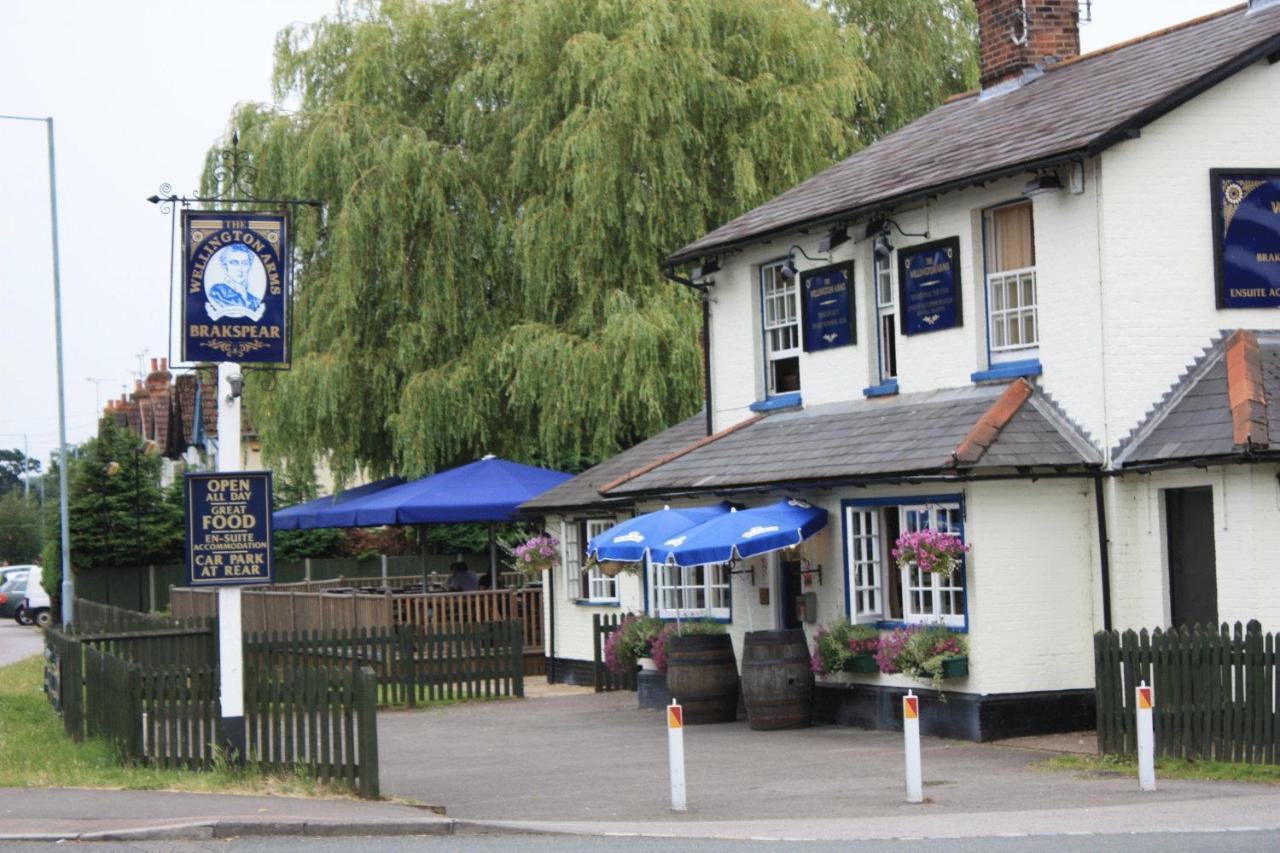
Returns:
point(236, 381)
point(1041, 184)
point(708, 266)
point(833, 238)
point(788, 270)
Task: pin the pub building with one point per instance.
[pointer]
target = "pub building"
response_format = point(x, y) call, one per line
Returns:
point(1043, 317)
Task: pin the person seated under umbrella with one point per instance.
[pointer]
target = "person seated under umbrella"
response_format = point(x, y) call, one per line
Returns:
point(462, 578)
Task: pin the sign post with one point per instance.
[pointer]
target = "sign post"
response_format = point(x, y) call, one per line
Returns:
point(675, 754)
point(1146, 704)
point(911, 745)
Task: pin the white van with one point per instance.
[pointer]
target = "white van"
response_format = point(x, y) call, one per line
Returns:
point(36, 606)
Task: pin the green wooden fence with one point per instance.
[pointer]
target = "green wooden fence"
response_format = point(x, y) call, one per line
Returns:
point(165, 712)
point(1216, 691)
point(412, 663)
point(602, 625)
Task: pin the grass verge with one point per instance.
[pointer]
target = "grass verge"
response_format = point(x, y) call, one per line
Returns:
point(35, 752)
point(1168, 768)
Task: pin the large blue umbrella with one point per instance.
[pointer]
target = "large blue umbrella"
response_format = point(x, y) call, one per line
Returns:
point(490, 489)
point(747, 533)
point(305, 516)
point(633, 539)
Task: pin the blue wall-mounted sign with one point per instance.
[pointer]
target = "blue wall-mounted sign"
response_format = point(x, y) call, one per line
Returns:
point(228, 528)
point(235, 292)
point(828, 307)
point(1246, 236)
point(929, 286)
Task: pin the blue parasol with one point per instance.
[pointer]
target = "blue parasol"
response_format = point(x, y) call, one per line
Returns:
point(633, 539)
point(747, 533)
point(307, 516)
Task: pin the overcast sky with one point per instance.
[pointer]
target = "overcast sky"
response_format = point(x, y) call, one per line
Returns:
point(139, 89)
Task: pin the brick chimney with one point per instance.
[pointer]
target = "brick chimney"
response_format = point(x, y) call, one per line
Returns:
point(1015, 35)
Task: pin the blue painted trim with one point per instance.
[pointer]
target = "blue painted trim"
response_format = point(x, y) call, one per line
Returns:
point(884, 389)
point(718, 619)
point(586, 602)
point(891, 624)
point(1009, 370)
point(781, 401)
point(957, 498)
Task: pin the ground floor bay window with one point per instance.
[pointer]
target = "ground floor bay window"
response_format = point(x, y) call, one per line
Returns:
point(882, 591)
point(689, 592)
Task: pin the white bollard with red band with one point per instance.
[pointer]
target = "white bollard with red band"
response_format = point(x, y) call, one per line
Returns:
point(675, 754)
point(911, 744)
point(1145, 704)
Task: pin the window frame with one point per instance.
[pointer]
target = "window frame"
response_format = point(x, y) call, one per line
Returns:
point(579, 582)
point(770, 356)
point(956, 587)
point(884, 271)
point(593, 578)
point(1021, 276)
point(655, 587)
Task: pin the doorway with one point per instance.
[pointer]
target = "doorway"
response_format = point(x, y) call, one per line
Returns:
point(1193, 575)
point(789, 587)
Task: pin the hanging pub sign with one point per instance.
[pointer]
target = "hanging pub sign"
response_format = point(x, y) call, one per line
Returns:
point(929, 286)
point(828, 307)
point(228, 528)
point(235, 287)
point(1246, 237)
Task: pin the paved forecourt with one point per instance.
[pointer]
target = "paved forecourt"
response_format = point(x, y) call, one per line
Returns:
point(594, 762)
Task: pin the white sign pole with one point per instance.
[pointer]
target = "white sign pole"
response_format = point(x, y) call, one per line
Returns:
point(911, 746)
point(1145, 704)
point(675, 754)
point(230, 624)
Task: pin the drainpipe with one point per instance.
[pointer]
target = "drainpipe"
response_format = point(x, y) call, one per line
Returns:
point(670, 273)
point(550, 596)
point(1104, 553)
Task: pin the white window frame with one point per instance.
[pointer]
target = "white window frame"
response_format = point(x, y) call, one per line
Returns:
point(780, 322)
point(866, 578)
point(571, 553)
point(600, 587)
point(886, 302)
point(927, 597)
point(674, 591)
point(1013, 325)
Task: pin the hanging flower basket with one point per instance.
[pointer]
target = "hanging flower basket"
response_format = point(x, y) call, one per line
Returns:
point(613, 568)
point(539, 554)
point(929, 551)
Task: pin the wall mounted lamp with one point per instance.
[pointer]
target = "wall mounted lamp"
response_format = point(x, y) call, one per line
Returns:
point(236, 381)
point(833, 238)
point(788, 270)
point(1041, 184)
point(706, 268)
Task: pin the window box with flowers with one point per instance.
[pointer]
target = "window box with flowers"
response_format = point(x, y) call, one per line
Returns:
point(845, 648)
point(934, 653)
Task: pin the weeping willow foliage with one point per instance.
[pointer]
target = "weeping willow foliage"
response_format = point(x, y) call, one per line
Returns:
point(502, 179)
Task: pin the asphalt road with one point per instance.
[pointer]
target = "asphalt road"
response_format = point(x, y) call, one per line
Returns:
point(1236, 842)
point(18, 642)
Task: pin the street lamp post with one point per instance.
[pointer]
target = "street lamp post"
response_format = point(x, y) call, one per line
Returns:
point(68, 582)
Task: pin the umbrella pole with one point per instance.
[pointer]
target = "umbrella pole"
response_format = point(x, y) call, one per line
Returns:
point(493, 558)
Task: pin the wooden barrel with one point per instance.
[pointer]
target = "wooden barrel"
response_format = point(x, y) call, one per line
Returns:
point(702, 675)
point(777, 684)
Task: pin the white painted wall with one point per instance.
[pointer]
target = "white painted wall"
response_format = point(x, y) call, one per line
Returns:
point(1246, 507)
point(1157, 260)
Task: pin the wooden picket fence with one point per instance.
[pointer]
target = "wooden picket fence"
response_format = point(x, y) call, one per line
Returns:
point(606, 680)
point(412, 663)
point(1217, 695)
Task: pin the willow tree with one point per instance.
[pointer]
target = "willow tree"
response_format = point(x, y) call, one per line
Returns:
point(502, 179)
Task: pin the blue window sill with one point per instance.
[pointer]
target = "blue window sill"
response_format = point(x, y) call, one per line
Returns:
point(781, 401)
point(723, 620)
point(587, 602)
point(1009, 370)
point(884, 389)
point(890, 624)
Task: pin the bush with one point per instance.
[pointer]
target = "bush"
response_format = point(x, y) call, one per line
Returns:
point(837, 645)
point(631, 640)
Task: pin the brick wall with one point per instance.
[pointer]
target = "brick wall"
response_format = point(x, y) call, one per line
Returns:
point(1051, 32)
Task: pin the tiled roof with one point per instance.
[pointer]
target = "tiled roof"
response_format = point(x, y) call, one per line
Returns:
point(870, 439)
point(583, 490)
point(1076, 108)
point(1194, 419)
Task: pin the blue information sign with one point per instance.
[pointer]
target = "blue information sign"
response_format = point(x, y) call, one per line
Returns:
point(828, 307)
point(235, 287)
point(929, 286)
point(1246, 237)
point(228, 528)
